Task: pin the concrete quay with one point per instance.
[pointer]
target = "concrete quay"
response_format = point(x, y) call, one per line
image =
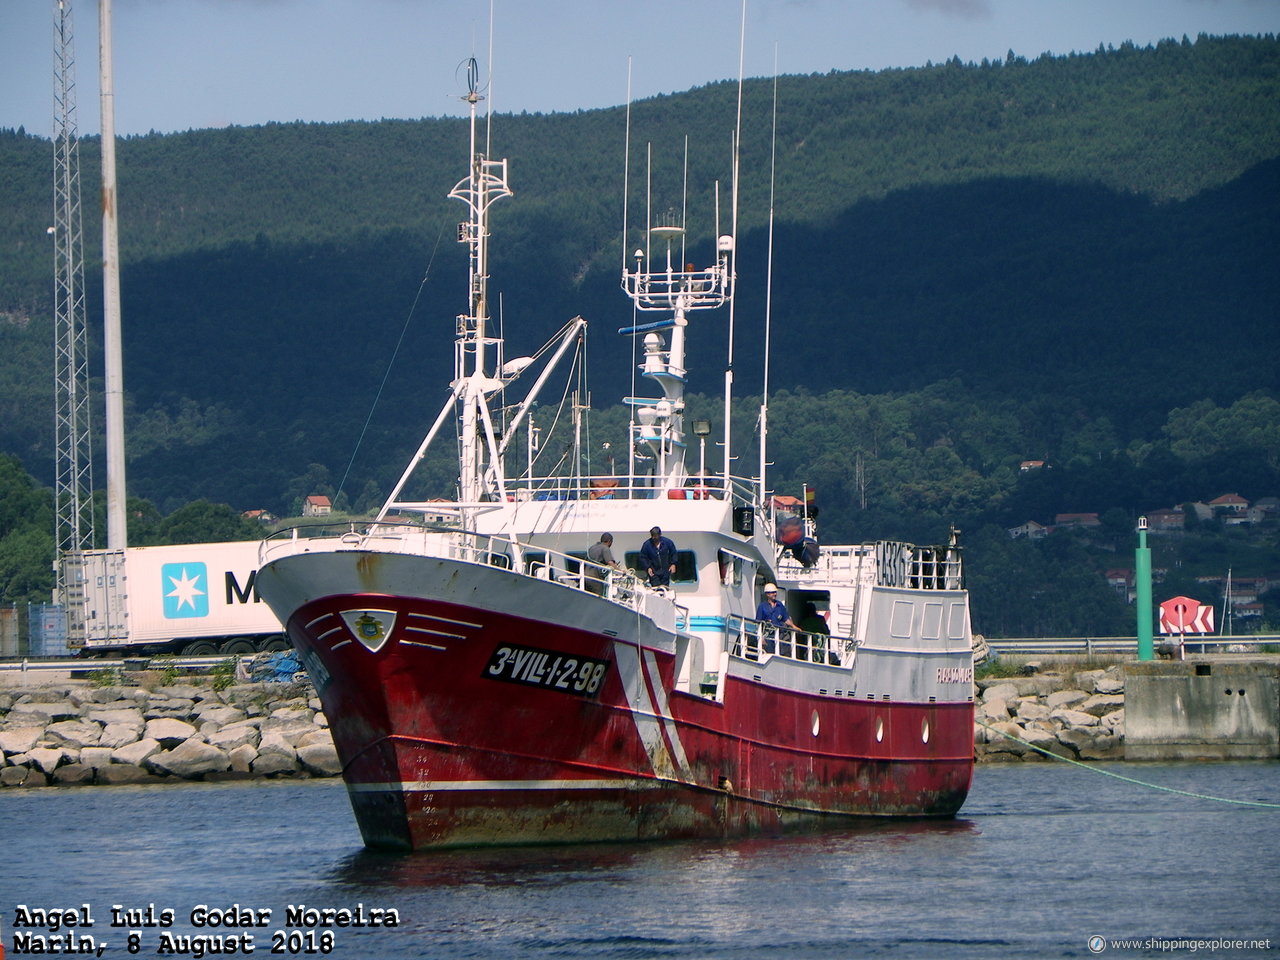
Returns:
point(1205, 708)
point(1208, 707)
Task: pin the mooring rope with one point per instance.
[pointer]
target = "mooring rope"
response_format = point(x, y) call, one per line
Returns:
point(1120, 776)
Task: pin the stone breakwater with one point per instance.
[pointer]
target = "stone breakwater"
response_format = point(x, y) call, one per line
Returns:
point(73, 732)
point(1079, 716)
point(76, 733)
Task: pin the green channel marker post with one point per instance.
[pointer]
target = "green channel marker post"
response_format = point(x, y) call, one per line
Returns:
point(1142, 574)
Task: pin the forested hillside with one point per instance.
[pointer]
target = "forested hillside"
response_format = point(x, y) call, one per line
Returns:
point(1068, 258)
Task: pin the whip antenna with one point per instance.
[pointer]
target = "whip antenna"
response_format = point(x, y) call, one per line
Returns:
point(768, 293)
point(733, 257)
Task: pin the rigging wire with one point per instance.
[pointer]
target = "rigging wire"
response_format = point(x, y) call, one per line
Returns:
point(394, 353)
point(488, 119)
point(626, 173)
point(733, 258)
point(568, 387)
point(583, 386)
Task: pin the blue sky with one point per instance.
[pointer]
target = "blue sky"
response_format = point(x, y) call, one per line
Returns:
point(184, 64)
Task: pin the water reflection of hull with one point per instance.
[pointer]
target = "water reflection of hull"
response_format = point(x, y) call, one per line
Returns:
point(843, 842)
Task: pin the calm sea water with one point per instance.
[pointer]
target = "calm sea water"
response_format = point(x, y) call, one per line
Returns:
point(1042, 858)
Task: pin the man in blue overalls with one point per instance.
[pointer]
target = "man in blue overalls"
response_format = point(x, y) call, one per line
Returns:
point(658, 554)
point(772, 612)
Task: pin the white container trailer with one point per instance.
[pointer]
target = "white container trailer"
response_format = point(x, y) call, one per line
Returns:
point(195, 599)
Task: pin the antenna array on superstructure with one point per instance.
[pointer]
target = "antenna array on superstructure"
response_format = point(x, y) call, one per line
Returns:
point(73, 488)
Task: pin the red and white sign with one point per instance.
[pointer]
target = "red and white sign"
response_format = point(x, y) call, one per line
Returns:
point(1182, 615)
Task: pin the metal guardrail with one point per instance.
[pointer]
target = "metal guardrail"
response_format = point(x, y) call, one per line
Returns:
point(1015, 646)
point(502, 552)
point(754, 640)
point(63, 664)
point(1123, 645)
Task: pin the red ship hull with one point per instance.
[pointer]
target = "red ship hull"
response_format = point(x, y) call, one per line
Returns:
point(461, 725)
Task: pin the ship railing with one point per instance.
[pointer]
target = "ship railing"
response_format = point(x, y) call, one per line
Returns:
point(393, 536)
point(614, 487)
point(542, 563)
point(886, 563)
point(836, 564)
point(690, 289)
point(882, 563)
point(537, 561)
point(757, 641)
point(918, 568)
point(447, 514)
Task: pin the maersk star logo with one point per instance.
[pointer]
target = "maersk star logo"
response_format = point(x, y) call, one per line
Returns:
point(185, 587)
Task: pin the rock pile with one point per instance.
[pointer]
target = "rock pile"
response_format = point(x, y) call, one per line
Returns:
point(1079, 716)
point(77, 733)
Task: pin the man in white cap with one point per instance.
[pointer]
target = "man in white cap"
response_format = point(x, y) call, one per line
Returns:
point(773, 612)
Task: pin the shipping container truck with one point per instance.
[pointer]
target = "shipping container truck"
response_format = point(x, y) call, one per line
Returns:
point(194, 599)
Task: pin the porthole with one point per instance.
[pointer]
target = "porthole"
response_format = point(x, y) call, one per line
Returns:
point(815, 723)
point(924, 730)
point(879, 729)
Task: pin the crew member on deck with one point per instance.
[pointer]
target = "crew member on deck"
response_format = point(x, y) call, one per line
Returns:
point(600, 562)
point(773, 613)
point(814, 624)
point(658, 554)
point(813, 621)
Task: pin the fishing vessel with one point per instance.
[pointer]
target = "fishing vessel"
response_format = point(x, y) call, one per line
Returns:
point(487, 683)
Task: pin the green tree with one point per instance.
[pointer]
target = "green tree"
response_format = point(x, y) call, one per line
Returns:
point(1204, 430)
point(1270, 610)
point(22, 502)
point(26, 535)
point(26, 570)
point(204, 522)
point(144, 521)
point(1048, 588)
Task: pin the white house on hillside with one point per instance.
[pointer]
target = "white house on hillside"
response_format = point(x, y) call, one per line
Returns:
point(316, 505)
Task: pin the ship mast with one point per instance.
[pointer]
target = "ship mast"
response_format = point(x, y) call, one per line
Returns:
point(477, 355)
point(479, 370)
point(660, 282)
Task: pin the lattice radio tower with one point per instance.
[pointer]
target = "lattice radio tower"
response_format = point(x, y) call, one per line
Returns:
point(73, 488)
